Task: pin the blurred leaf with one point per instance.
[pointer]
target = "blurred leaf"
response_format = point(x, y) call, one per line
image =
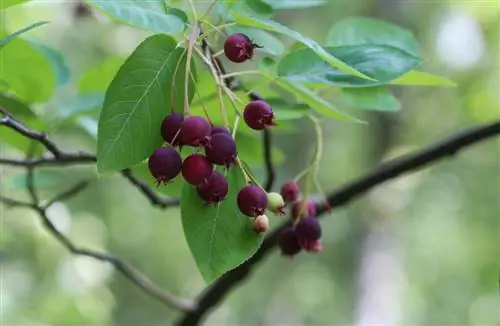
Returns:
point(89, 125)
point(98, 78)
point(173, 188)
point(377, 98)
point(254, 7)
point(278, 28)
point(294, 4)
point(134, 13)
point(20, 60)
point(136, 102)
point(270, 44)
point(15, 107)
point(250, 149)
point(286, 111)
point(41, 179)
point(219, 237)
point(56, 60)
point(3, 85)
point(360, 30)
point(4, 4)
point(83, 104)
point(420, 78)
point(6, 39)
point(381, 62)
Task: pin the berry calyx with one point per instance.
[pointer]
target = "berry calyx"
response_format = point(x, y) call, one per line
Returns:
point(298, 211)
point(261, 224)
point(290, 191)
point(214, 189)
point(164, 164)
point(315, 246)
point(308, 231)
point(289, 243)
point(275, 203)
point(221, 150)
point(258, 115)
point(195, 131)
point(239, 48)
point(252, 200)
point(219, 130)
point(196, 169)
point(170, 128)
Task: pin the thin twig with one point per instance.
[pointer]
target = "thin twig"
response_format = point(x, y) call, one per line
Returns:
point(73, 191)
point(150, 194)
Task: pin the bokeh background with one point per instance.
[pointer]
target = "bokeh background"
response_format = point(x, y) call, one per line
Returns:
point(422, 249)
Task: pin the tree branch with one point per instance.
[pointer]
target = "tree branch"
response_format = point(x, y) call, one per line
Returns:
point(147, 191)
point(386, 171)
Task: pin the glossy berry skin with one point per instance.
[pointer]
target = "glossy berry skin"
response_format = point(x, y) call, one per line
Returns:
point(196, 169)
point(239, 48)
point(308, 231)
point(258, 115)
point(252, 201)
point(289, 243)
point(261, 224)
point(290, 192)
point(275, 203)
point(165, 164)
point(219, 130)
point(221, 150)
point(195, 131)
point(170, 128)
point(214, 189)
point(308, 211)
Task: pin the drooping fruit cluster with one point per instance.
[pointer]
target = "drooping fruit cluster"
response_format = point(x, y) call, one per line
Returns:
point(306, 230)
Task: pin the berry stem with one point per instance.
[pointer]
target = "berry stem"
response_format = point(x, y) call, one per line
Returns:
point(248, 174)
point(235, 127)
point(216, 54)
point(209, 8)
point(193, 10)
point(217, 28)
point(240, 73)
point(203, 106)
point(173, 86)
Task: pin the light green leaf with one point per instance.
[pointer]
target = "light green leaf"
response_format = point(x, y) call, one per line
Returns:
point(278, 28)
point(286, 111)
point(15, 106)
point(270, 44)
point(137, 100)
point(250, 148)
point(83, 104)
point(219, 237)
point(56, 60)
point(294, 4)
point(135, 14)
point(420, 78)
point(97, 79)
point(6, 39)
point(381, 62)
point(4, 4)
point(378, 98)
point(360, 30)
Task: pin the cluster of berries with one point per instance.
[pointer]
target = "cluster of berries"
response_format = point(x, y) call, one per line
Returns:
point(306, 230)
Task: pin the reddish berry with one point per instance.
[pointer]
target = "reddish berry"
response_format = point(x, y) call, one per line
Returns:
point(261, 224)
point(252, 201)
point(195, 131)
point(164, 164)
point(196, 169)
point(219, 130)
point(308, 230)
point(315, 246)
point(289, 243)
point(214, 189)
point(239, 48)
point(290, 191)
point(221, 150)
point(170, 128)
point(258, 115)
point(308, 210)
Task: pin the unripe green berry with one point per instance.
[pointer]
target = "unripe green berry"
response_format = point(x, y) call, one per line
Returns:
point(275, 203)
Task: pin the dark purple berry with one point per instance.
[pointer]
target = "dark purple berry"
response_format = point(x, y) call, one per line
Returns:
point(82, 10)
point(308, 211)
point(308, 230)
point(195, 131)
point(170, 128)
point(290, 191)
point(252, 201)
point(214, 189)
point(239, 48)
point(221, 150)
point(288, 242)
point(219, 130)
point(196, 169)
point(258, 115)
point(165, 164)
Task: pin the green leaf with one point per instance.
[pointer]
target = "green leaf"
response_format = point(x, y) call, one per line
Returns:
point(254, 7)
point(4, 4)
point(83, 104)
point(250, 148)
point(420, 78)
point(278, 28)
point(10, 37)
point(137, 100)
point(134, 13)
point(219, 237)
point(378, 98)
point(20, 60)
point(15, 106)
point(270, 44)
point(294, 4)
point(381, 62)
point(360, 30)
point(285, 111)
point(97, 79)
point(56, 60)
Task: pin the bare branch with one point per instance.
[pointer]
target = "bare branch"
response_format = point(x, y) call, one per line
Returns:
point(387, 171)
point(73, 191)
point(16, 203)
point(147, 191)
point(64, 159)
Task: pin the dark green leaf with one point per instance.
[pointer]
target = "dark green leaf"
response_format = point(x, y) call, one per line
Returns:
point(254, 7)
point(137, 100)
point(381, 62)
point(136, 14)
point(6, 39)
point(360, 30)
point(377, 98)
point(220, 237)
point(294, 4)
point(270, 44)
point(97, 79)
point(56, 60)
point(4, 4)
